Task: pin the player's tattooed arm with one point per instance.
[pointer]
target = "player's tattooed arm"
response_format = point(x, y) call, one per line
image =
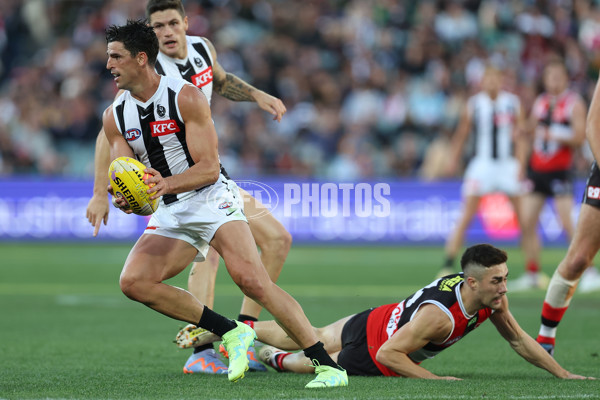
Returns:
point(227, 84)
point(234, 88)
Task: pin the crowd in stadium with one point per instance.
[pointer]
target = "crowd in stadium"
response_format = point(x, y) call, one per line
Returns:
point(373, 88)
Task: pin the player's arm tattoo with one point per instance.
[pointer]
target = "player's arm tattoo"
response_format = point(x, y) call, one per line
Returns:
point(234, 88)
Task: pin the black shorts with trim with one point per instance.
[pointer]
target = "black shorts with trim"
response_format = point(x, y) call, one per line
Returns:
point(355, 357)
point(550, 184)
point(591, 195)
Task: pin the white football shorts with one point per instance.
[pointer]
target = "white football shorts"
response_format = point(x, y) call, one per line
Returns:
point(196, 217)
point(485, 176)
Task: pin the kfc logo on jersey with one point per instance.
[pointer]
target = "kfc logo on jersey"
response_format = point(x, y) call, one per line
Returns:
point(161, 128)
point(132, 134)
point(203, 78)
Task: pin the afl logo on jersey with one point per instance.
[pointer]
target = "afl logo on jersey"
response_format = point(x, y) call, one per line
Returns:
point(198, 62)
point(132, 134)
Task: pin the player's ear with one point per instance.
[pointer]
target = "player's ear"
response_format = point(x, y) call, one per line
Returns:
point(185, 23)
point(471, 282)
point(141, 58)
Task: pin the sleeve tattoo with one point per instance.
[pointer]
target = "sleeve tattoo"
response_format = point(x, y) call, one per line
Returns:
point(235, 89)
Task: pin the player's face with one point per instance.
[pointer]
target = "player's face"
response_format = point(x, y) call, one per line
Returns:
point(170, 30)
point(491, 288)
point(555, 79)
point(120, 64)
point(491, 81)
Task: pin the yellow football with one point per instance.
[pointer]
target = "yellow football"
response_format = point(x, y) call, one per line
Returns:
point(127, 180)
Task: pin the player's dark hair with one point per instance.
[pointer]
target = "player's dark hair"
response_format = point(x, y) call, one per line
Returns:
point(161, 5)
point(137, 37)
point(484, 255)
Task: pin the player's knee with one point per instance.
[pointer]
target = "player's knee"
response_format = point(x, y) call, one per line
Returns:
point(135, 286)
point(576, 263)
point(528, 226)
point(212, 260)
point(252, 287)
point(130, 286)
point(278, 243)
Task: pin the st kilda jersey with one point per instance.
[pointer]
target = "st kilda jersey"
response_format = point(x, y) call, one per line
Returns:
point(155, 130)
point(553, 114)
point(196, 68)
point(444, 293)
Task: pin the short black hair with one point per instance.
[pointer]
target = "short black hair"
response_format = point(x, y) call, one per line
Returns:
point(484, 255)
point(161, 5)
point(137, 37)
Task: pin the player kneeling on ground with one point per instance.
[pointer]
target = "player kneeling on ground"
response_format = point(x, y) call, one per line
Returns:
point(393, 339)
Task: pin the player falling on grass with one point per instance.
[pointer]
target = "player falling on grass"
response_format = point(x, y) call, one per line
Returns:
point(195, 60)
point(393, 339)
point(168, 126)
point(584, 245)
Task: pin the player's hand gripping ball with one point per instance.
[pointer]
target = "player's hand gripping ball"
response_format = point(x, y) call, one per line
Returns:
point(127, 180)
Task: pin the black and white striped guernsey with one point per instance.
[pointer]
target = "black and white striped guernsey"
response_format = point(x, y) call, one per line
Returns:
point(155, 130)
point(494, 122)
point(195, 68)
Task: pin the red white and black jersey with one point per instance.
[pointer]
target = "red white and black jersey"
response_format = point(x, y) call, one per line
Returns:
point(553, 114)
point(155, 130)
point(196, 68)
point(444, 293)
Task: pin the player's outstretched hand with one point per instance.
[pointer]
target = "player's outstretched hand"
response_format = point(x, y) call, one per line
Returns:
point(271, 104)
point(118, 202)
point(97, 211)
point(574, 376)
point(158, 185)
point(450, 378)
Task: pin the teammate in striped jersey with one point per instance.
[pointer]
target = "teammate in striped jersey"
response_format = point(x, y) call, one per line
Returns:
point(585, 243)
point(195, 60)
point(557, 123)
point(166, 123)
point(393, 340)
point(494, 116)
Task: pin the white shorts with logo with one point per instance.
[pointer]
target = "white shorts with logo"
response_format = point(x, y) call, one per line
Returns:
point(484, 176)
point(196, 216)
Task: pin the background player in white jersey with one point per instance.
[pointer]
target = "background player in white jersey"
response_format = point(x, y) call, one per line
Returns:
point(557, 123)
point(176, 139)
point(584, 245)
point(495, 117)
point(195, 60)
point(393, 339)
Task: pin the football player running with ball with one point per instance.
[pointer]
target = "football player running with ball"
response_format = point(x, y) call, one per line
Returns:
point(195, 60)
point(178, 143)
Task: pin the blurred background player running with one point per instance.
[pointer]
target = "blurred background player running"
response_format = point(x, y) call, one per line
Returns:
point(494, 117)
point(557, 125)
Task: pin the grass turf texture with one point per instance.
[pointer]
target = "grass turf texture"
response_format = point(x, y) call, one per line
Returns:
point(67, 331)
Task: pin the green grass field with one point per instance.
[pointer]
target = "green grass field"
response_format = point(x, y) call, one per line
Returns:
point(67, 332)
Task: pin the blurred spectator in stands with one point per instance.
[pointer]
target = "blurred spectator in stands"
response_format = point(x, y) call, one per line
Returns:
point(368, 84)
